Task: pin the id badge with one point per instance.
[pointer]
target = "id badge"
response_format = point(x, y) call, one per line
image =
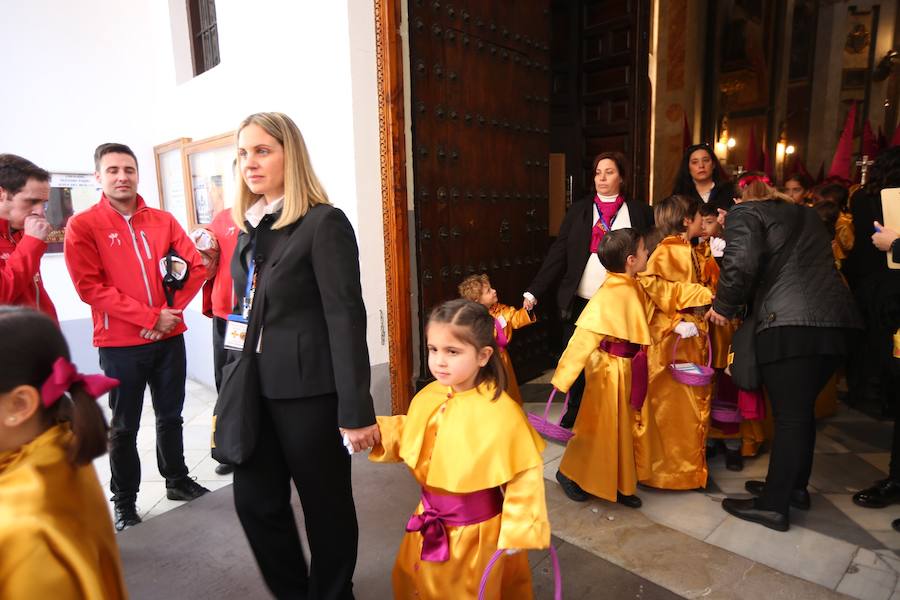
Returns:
point(235, 332)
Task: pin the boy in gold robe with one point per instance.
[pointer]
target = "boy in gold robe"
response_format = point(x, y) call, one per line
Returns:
point(599, 459)
point(477, 288)
point(670, 432)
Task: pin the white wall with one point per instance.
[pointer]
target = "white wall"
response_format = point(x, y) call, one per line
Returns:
point(86, 72)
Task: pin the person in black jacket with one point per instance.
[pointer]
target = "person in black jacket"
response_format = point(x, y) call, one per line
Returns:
point(878, 292)
point(803, 314)
point(571, 264)
point(313, 364)
point(702, 177)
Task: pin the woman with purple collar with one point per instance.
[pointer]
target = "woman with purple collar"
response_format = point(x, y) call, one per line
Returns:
point(571, 265)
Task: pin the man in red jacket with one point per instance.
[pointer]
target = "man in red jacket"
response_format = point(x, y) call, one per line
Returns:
point(113, 251)
point(24, 188)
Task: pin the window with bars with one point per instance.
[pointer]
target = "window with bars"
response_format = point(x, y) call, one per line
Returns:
point(204, 34)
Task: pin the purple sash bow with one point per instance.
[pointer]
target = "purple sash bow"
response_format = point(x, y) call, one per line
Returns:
point(443, 509)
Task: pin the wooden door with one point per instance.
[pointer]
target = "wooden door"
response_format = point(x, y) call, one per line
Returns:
point(480, 143)
point(614, 90)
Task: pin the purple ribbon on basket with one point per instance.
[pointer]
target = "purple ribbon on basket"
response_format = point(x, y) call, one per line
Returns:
point(441, 510)
point(502, 340)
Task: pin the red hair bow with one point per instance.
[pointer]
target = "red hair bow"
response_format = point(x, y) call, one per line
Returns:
point(748, 179)
point(65, 375)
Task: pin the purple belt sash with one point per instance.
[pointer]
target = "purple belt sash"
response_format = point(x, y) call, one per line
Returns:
point(620, 349)
point(639, 369)
point(443, 509)
point(502, 340)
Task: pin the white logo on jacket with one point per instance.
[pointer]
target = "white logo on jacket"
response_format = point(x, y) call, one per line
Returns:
point(231, 230)
point(114, 239)
point(4, 256)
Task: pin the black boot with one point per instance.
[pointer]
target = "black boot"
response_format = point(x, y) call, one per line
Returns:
point(733, 460)
point(572, 489)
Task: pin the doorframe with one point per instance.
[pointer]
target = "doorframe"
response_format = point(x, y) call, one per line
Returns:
point(394, 200)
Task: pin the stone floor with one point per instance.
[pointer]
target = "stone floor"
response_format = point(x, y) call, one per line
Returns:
point(681, 541)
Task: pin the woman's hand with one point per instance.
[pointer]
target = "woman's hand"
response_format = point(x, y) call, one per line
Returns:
point(715, 317)
point(362, 438)
point(883, 237)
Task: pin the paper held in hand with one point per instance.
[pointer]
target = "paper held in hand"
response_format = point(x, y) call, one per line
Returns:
point(890, 204)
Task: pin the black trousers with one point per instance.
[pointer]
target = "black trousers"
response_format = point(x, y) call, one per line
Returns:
point(793, 385)
point(162, 366)
point(577, 389)
point(220, 354)
point(299, 441)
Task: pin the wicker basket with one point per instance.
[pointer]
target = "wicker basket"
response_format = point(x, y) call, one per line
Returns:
point(547, 428)
point(557, 574)
point(705, 374)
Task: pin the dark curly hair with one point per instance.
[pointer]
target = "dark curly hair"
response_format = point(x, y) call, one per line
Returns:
point(684, 183)
point(885, 171)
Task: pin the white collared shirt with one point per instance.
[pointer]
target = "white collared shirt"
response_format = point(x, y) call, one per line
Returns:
point(260, 209)
point(594, 273)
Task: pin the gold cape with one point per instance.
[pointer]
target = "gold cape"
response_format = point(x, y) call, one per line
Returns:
point(460, 443)
point(671, 429)
point(56, 536)
point(516, 318)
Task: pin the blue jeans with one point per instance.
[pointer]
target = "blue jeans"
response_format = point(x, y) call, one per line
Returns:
point(162, 366)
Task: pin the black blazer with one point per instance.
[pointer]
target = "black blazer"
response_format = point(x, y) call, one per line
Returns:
point(721, 196)
point(568, 255)
point(314, 327)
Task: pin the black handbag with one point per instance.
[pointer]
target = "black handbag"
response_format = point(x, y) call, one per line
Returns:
point(235, 424)
point(744, 368)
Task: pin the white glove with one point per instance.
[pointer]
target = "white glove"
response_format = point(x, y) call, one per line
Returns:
point(686, 329)
point(716, 247)
point(347, 444)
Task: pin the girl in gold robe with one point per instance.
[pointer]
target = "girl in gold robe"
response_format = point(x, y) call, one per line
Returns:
point(470, 446)
point(477, 288)
point(670, 431)
point(599, 459)
point(56, 535)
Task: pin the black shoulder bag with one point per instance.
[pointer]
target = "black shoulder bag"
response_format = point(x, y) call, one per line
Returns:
point(235, 425)
point(745, 372)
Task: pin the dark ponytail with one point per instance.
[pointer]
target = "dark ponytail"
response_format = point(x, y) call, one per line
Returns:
point(475, 326)
point(30, 343)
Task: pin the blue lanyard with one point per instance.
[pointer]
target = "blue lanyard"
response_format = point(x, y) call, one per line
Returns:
point(250, 288)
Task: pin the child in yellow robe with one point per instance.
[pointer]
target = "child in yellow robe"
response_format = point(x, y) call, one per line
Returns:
point(670, 432)
point(479, 463)
point(477, 288)
point(56, 535)
point(599, 459)
point(745, 437)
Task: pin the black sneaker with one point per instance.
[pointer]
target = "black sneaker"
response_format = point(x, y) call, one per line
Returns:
point(125, 516)
point(572, 489)
point(184, 489)
point(224, 469)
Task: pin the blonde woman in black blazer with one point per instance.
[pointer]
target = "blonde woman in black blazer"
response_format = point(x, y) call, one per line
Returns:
point(313, 364)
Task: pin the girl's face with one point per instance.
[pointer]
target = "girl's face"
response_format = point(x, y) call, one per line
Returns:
point(607, 178)
point(261, 161)
point(700, 165)
point(693, 226)
point(453, 362)
point(488, 296)
point(793, 189)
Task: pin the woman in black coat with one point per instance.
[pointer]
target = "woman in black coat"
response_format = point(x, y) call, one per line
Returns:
point(702, 177)
point(312, 360)
point(803, 314)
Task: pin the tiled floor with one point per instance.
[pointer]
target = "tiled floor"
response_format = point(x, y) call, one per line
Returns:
point(682, 541)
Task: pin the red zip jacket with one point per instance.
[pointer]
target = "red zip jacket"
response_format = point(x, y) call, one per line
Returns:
point(20, 271)
point(114, 264)
point(219, 298)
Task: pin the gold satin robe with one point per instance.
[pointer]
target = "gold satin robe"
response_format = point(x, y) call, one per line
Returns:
point(458, 443)
point(671, 429)
point(751, 432)
point(56, 536)
point(516, 318)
